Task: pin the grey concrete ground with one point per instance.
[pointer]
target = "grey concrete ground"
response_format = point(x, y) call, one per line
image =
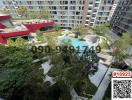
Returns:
point(2, 99)
point(103, 86)
point(113, 35)
point(96, 79)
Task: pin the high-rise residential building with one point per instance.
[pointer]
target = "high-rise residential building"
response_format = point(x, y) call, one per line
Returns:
point(68, 13)
point(113, 9)
point(122, 17)
point(1, 5)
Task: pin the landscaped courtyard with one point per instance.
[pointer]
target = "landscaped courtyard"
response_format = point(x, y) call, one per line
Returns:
point(64, 74)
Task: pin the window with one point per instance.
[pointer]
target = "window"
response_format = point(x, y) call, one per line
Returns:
point(83, 1)
point(66, 8)
point(4, 2)
point(110, 8)
point(39, 2)
point(91, 2)
point(30, 7)
point(86, 22)
point(109, 1)
point(107, 13)
point(102, 8)
point(65, 2)
point(100, 13)
point(92, 20)
point(89, 13)
point(29, 2)
point(77, 13)
point(73, 2)
point(96, 4)
point(54, 12)
point(54, 7)
point(93, 15)
point(87, 18)
point(79, 8)
point(112, 2)
point(95, 10)
point(91, 24)
point(80, 2)
point(40, 7)
point(90, 8)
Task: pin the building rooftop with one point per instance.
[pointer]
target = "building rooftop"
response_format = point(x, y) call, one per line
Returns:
point(1, 14)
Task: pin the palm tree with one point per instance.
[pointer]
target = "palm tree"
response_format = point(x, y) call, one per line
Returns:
point(73, 73)
point(40, 36)
point(22, 11)
point(44, 13)
point(120, 48)
point(19, 43)
point(33, 14)
point(101, 29)
point(57, 27)
point(81, 30)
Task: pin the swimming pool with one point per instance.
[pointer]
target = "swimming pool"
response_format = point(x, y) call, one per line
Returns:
point(81, 54)
point(74, 42)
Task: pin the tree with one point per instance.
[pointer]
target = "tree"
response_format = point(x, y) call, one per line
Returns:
point(40, 36)
point(81, 30)
point(17, 70)
point(101, 29)
point(51, 38)
point(126, 40)
point(103, 44)
point(73, 72)
point(22, 11)
point(6, 11)
point(44, 13)
point(120, 47)
point(19, 43)
point(57, 27)
point(33, 14)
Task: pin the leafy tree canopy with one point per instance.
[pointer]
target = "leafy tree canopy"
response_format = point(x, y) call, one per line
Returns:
point(17, 70)
point(22, 11)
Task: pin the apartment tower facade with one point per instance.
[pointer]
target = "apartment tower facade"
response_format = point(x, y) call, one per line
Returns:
point(122, 18)
point(68, 13)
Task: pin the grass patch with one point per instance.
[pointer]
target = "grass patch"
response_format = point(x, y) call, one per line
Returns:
point(130, 68)
point(85, 89)
point(107, 95)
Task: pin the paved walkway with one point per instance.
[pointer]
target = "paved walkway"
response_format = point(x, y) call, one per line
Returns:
point(2, 99)
point(46, 66)
point(113, 35)
point(103, 86)
point(97, 77)
point(76, 97)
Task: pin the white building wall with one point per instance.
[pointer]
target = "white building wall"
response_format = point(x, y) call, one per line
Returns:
point(67, 13)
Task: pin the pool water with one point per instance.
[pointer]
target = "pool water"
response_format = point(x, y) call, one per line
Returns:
point(74, 42)
point(81, 44)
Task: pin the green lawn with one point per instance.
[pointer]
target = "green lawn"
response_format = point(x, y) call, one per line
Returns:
point(88, 89)
point(107, 95)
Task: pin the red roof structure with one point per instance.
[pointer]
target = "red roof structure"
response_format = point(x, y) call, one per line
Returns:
point(31, 27)
point(4, 17)
point(2, 26)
